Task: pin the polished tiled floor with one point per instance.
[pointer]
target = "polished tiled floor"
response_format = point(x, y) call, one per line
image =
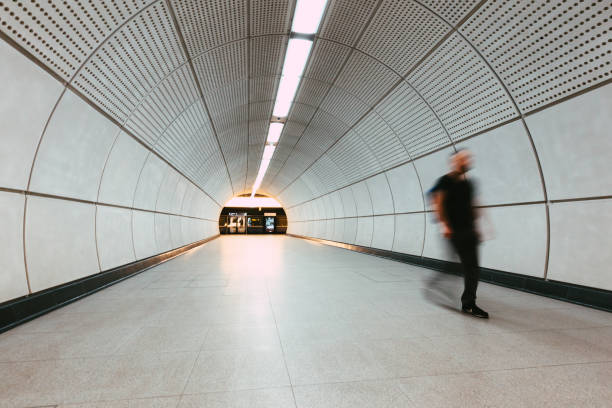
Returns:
point(281, 322)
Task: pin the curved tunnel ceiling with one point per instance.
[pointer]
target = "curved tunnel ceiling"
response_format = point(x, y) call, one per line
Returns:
point(388, 81)
point(159, 113)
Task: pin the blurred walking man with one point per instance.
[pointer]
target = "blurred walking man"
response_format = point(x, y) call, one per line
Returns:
point(453, 200)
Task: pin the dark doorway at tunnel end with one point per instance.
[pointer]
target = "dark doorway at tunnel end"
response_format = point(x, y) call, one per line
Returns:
point(261, 220)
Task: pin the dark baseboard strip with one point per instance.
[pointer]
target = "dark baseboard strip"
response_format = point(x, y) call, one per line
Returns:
point(26, 308)
point(582, 295)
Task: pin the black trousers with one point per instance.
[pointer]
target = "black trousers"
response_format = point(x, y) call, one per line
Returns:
point(465, 244)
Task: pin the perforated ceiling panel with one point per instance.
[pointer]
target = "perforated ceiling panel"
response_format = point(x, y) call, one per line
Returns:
point(412, 120)
point(344, 106)
point(163, 105)
point(270, 16)
point(544, 50)
point(222, 65)
point(400, 34)
point(63, 34)
point(131, 63)
point(462, 90)
point(353, 157)
point(452, 11)
point(381, 140)
point(212, 23)
point(346, 19)
point(366, 78)
point(387, 81)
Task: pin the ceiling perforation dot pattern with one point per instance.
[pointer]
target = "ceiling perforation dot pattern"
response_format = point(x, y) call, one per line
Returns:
point(401, 33)
point(211, 23)
point(163, 105)
point(132, 63)
point(222, 66)
point(412, 121)
point(346, 19)
point(544, 51)
point(380, 138)
point(462, 90)
point(269, 17)
point(453, 11)
point(62, 35)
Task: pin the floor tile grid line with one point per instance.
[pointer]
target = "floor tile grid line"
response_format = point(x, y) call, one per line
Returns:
point(460, 373)
point(518, 331)
point(280, 342)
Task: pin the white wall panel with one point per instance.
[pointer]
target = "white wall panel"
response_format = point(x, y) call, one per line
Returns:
point(329, 229)
point(382, 200)
point(574, 144)
point(384, 228)
point(329, 207)
point(176, 232)
point(162, 232)
point(363, 201)
point(73, 150)
point(28, 97)
point(409, 233)
point(114, 237)
point(167, 191)
point(365, 229)
point(338, 230)
point(580, 243)
point(505, 168)
point(336, 201)
point(121, 171)
point(149, 183)
point(350, 230)
point(436, 246)
point(145, 244)
point(60, 241)
point(405, 187)
point(12, 271)
point(348, 202)
point(518, 241)
point(431, 168)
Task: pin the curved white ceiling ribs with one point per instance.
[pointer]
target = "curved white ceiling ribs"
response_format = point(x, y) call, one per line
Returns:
point(391, 87)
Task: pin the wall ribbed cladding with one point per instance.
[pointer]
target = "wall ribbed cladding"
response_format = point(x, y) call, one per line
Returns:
point(353, 157)
point(269, 16)
point(366, 78)
point(63, 34)
point(160, 109)
point(462, 90)
point(209, 24)
point(329, 173)
point(346, 19)
point(312, 92)
point(544, 51)
point(452, 11)
point(188, 140)
point(326, 60)
point(401, 33)
point(344, 106)
point(222, 65)
point(323, 131)
point(131, 63)
point(380, 138)
point(412, 121)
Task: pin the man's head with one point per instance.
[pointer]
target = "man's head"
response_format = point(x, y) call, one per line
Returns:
point(461, 161)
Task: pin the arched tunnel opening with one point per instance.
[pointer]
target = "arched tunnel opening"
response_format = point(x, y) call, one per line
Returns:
point(437, 162)
point(248, 214)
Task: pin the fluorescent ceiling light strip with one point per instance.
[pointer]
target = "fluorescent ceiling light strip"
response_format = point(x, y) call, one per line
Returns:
point(307, 17)
point(298, 51)
point(274, 132)
point(306, 20)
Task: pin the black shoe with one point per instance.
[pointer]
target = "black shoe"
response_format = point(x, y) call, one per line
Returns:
point(475, 311)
